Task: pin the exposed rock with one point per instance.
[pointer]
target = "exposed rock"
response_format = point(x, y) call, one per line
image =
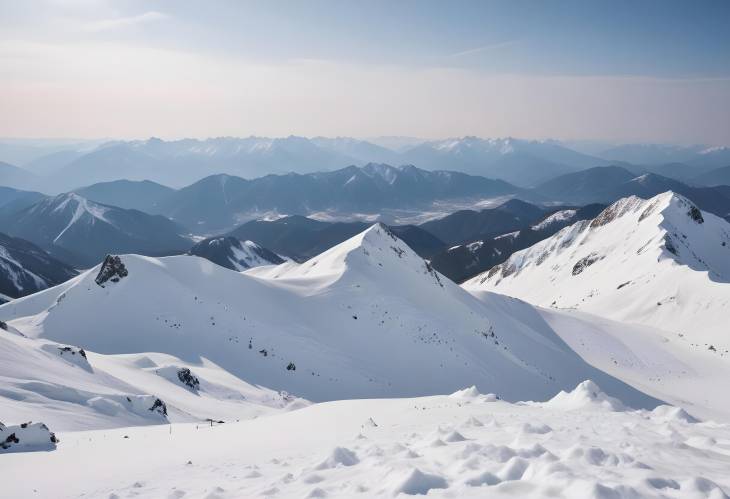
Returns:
point(669, 244)
point(72, 351)
point(160, 407)
point(27, 436)
point(186, 378)
point(695, 214)
point(111, 270)
point(3, 326)
point(585, 262)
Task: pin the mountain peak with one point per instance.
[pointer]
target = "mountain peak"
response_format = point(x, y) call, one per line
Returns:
point(664, 248)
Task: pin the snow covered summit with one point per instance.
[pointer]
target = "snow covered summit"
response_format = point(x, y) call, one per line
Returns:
point(660, 262)
point(367, 318)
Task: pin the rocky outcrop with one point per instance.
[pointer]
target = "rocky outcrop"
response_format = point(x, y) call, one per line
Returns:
point(26, 437)
point(159, 407)
point(585, 262)
point(187, 378)
point(695, 214)
point(112, 270)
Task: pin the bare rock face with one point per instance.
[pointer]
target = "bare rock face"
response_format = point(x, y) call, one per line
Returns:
point(159, 407)
point(585, 262)
point(3, 326)
point(187, 378)
point(112, 270)
point(695, 214)
point(669, 244)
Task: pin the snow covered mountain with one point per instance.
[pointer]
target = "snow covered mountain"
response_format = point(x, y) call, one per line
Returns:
point(367, 318)
point(660, 262)
point(235, 254)
point(26, 269)
point(464, 261)
point(81, 232)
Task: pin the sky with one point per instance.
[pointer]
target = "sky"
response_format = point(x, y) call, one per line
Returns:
point(617, 71)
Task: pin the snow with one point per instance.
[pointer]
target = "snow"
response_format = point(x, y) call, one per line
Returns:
point(557, 217)
point(574, 454)
point(652, 264)
point(509, 235)
point(367, 318)
point(638, 312)
point(247, 255)
point(15, 271)
point(75, 392)
point(81, 207)
point(182, 379)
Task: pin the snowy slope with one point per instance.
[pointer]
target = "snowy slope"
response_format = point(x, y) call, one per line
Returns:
point(659, 262)
point(367, 318)
point(234, 254)
point(26, 269)
point(465, 445)
point(74, 389)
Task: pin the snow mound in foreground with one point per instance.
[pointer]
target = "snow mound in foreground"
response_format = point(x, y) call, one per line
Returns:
point(26, 437)
point(670, 413)
point(585, 396)
point(467, 393)
point(416, 482)
point(339, 456)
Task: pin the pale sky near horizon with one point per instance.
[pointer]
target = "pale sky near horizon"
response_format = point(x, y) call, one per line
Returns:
point(623, 71)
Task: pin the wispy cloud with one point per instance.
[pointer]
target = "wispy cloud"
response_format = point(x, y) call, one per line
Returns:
point(123, 22)
point(486, 48)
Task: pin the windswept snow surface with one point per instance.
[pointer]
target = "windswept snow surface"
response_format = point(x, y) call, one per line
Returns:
point(72, 389)
point(367, 318)
point(469, 445)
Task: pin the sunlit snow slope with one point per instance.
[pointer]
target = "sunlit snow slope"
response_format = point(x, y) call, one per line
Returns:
point(367, 318)
point(659, 262)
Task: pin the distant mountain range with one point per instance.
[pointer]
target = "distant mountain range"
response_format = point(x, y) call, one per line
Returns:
point(699, 156)
point(221, 201)
point(607, 184)
point(177, 163)
point(182, 162)
point(82, 232)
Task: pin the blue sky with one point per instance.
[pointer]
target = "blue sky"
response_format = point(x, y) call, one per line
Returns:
point(617, 71)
